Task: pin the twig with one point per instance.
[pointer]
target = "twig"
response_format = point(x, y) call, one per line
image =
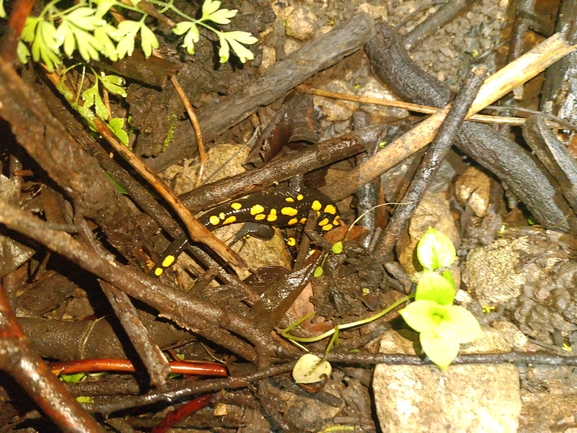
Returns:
point(496, 86)
point(201, 317)
point(481, 118)
point(430, 164)
point(21, 361)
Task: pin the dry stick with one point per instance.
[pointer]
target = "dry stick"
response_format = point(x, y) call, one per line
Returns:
point(515, 358)
point(430, 164)
point(150, 354)
point(481, 118)
point(149, 8)
point(202, 155)
point(232, 382)
point(197, 231)
point(496, 86)
point(313, 56)
point(435, 21)
point(21, 361)
point(203, 318)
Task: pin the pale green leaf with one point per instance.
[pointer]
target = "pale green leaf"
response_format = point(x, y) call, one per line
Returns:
point(423, 316)
point(73, 378)
point(88, 46)
point(113, 84)
point(209, 7)
point(128, 27)
point(435, 250)
point(111, 31)
point(42, 51)
point(337, 247)
point(222, 16)
point(190, 39)
point(65, 36)
point(117, 126)
point(29, 30)
point(108, 48)
point(224, 51)
point(84, 18)
point(23, 52)
point(103, 7)
point(148, 40)
point(100, 107)
point(47, 33)
point(182, 27)
point(448, 275)
point(462, 326)
point(2, 10)
point(433, 287)
point(440, 350)
point(242, 37)
point(88, 96)
point(310, 369)
point(127, 31)
point(125, 46)
point(85, 399)
point(86, 113)
point(241, 51)
point(319, 271)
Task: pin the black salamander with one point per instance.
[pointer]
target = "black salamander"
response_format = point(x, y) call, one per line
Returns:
point(282, 207)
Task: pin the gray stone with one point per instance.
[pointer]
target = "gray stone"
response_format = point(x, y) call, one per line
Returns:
point(463, 398)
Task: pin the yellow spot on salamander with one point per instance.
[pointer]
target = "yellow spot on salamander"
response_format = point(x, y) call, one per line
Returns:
point(289, 200)
point(327, 227)
point(323, 222)
point(329, 208)
point(300, 197)
point(291, 242)
point(158, 272)
point(260, 217)
point(214, 220)
point(337, 220)
point(221, 215)
point(256, 209)
point(168, 260)
point(293, 221)
point(272, 216)
point(316, 205)
point(231, 219)
point(303, 220)
point(236, 205)
point(290, 211)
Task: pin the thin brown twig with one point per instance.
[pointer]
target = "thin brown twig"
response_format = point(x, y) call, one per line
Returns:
point(202, 155)
point(197, 231)
point(149, 8)
point(425, 109)
point(21, 361)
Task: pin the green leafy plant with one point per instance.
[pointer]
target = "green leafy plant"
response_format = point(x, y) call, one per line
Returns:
point(87, 28)
point(84, 27)
point(442, 326)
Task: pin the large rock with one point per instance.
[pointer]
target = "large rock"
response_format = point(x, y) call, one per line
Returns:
point(463, 398)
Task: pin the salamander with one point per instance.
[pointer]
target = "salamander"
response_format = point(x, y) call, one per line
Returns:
point(281, 207)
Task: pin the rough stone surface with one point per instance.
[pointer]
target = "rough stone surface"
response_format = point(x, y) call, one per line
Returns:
point(490, 271)
point(433, 211)
point(463, 398)
point(334, 110)
point(373, 89)
point(473, 187)
point(301, 24)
